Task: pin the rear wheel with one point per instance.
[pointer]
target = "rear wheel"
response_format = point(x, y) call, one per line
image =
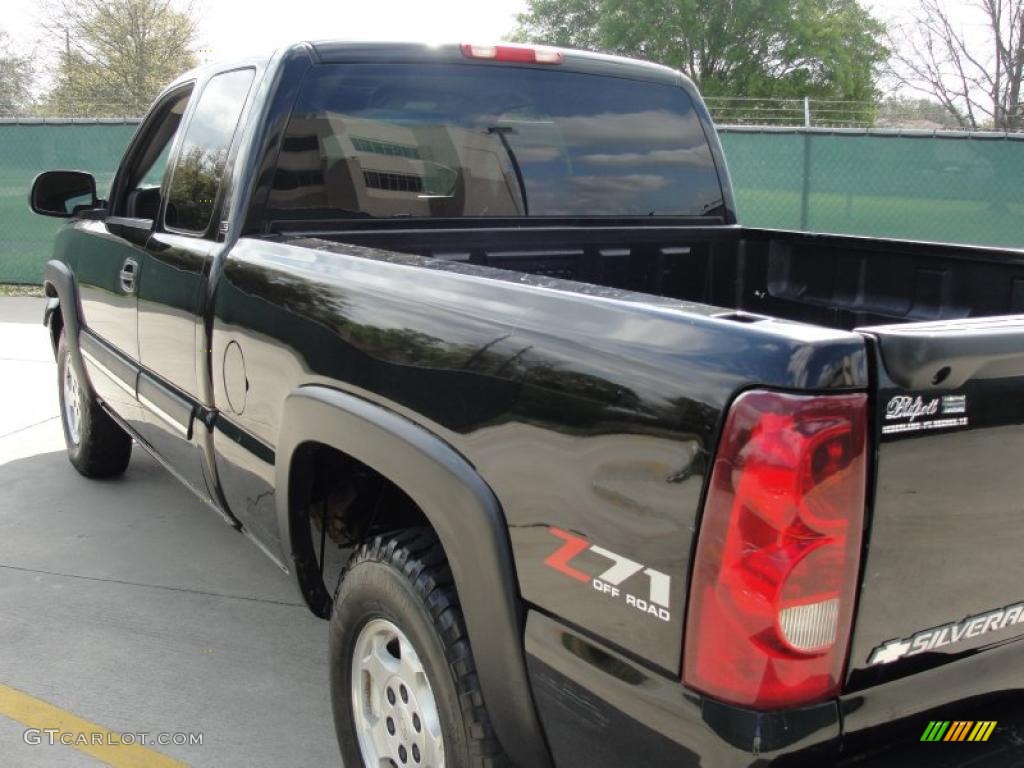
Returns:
point(404, 688)
point(97, 446)
point(393, 705)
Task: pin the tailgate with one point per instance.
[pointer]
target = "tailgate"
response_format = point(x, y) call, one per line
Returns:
point(942, 574)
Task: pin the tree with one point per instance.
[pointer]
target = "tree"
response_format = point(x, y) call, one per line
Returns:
point(902, 111)
point(753, 48)
point(116, 55)
point(16, 78)
point(976, 79)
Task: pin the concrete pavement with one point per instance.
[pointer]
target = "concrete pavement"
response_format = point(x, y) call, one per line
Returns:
point(129, 603)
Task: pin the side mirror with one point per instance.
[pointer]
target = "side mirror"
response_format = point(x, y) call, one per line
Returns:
point(62, 193)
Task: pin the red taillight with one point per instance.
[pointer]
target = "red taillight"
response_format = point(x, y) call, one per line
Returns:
point(775, 574)
point(521, 54)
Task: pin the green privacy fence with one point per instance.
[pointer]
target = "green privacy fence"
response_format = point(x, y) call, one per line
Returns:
point(966, 188)
point(30, 146)
point(947, 186)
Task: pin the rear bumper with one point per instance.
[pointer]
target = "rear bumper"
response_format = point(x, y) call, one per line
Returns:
point(601, 710)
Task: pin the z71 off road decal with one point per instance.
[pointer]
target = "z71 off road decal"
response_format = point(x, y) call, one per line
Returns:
point(948, 634)
point(907, 413)
point(609, 580)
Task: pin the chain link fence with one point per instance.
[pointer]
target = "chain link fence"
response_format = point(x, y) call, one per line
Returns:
point(29, 146)
point(921, 185)
point(831, 113)
point(738, 110)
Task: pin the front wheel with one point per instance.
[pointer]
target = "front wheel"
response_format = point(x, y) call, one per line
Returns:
point(97, 446)
point(404, 688)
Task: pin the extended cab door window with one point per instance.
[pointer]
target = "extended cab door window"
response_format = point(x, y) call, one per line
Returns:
point(137, 192)
point(203, 156)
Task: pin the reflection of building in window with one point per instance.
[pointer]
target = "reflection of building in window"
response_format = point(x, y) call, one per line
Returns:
point(331, 167)
point(299, 164)
point(384, 148)
point(395, 182)
point(289, 179)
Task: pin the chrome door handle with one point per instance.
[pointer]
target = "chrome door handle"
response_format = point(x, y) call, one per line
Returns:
point(129, 270)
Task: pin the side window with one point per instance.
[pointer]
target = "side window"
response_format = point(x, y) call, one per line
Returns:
point(154, 177)
point(140, 196)
point(200, 165)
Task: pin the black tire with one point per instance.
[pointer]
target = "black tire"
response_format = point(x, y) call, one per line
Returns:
point(404, 578)
point(103, 449)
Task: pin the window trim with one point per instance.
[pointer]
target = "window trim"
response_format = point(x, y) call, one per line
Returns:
point(141, 140)
point(213, 225)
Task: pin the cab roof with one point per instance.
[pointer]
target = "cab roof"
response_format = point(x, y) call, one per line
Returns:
point(338, 51)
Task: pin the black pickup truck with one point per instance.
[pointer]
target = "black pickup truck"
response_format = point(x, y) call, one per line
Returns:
point(584, 473)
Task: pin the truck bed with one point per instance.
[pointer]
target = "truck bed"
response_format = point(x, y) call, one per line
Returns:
point(828, 280)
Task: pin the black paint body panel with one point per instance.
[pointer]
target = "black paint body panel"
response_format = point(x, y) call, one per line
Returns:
point(582, 408)
point(945, 533)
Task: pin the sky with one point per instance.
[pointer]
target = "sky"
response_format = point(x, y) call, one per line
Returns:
point(264, 27)
point(230, 29)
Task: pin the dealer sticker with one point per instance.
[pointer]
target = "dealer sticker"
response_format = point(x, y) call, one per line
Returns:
point(910, 413)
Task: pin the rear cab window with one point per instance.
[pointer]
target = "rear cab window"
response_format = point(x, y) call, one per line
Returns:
point(446, 141)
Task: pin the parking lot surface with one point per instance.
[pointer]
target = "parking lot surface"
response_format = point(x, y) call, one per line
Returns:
point(128, 605)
